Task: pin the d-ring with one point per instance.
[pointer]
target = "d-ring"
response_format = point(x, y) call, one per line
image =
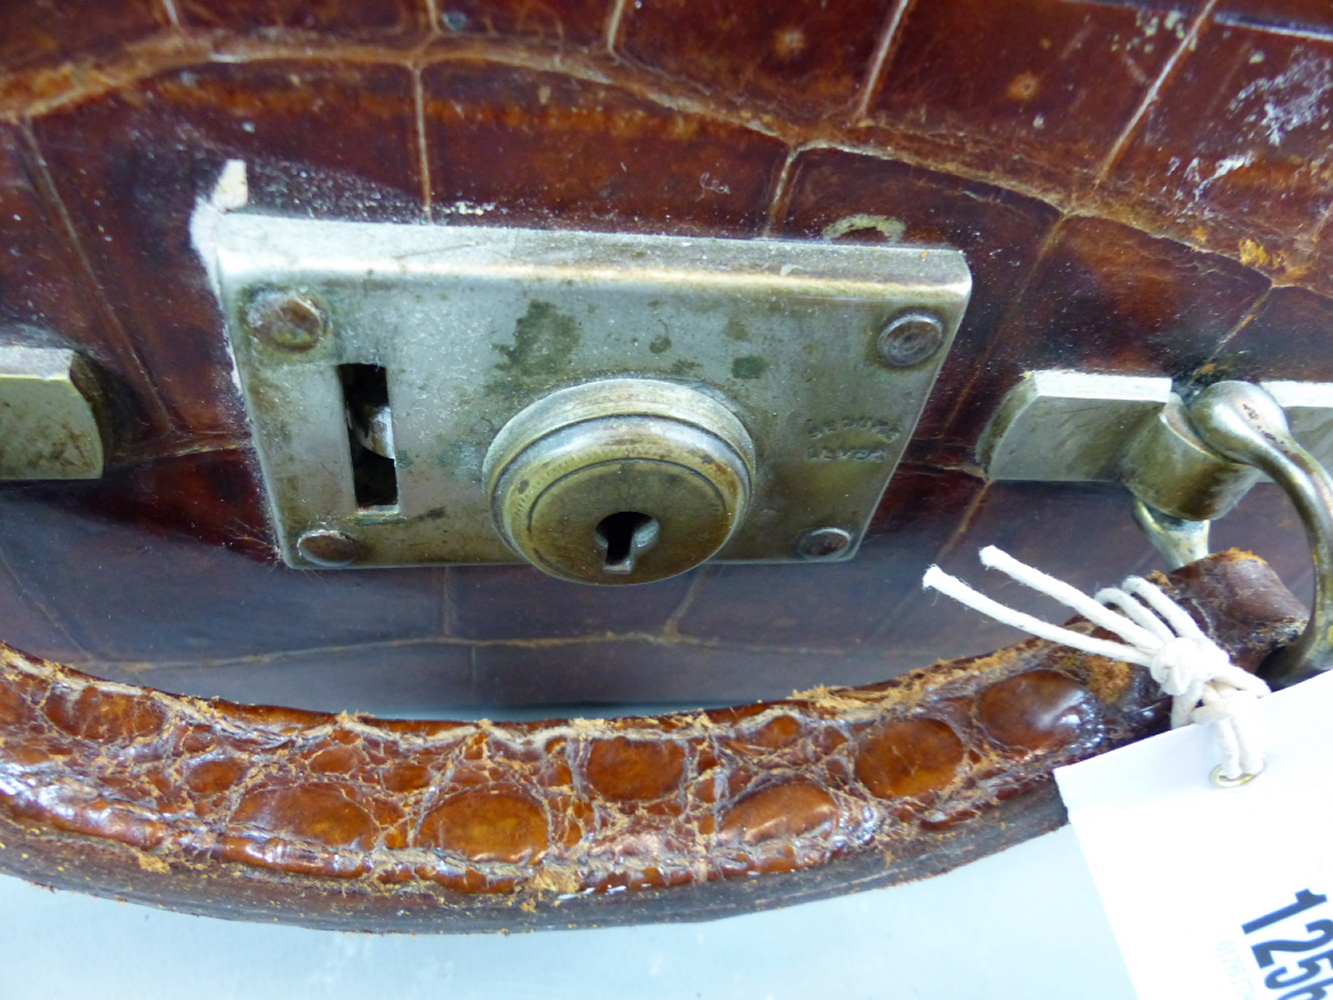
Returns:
point(1242, 422)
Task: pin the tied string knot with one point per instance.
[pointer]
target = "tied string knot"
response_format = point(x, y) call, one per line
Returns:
point(1185, 668)
point(1176, 665)
point(1205, 686)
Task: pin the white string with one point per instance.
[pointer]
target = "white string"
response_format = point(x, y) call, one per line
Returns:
point(1158, 634)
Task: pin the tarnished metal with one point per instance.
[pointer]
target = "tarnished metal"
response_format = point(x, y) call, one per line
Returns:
point(1192, 463)
point(327, 549)
point(1172, 470)
point(285, 319)
point(466, 327)
point(1061, 426)
point(910, 339)
point(1075, 427)
point(48, 427)
point(824, 544)
point(1178, 541)
point(1309, 410)
point(620, 480)
point(1186, 462)
point(1246, 424)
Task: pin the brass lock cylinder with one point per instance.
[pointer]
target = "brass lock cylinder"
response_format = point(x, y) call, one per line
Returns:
point(620, 481)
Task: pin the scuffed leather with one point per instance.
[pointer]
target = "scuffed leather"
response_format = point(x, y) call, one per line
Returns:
point(340, 820)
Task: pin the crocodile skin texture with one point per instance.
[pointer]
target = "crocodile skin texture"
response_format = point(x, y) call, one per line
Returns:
point(341, 820)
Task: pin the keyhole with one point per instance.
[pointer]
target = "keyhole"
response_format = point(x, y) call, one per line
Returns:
point(624, 535)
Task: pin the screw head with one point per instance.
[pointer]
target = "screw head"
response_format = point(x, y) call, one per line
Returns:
point(287, 320)
point(331, 549)
point(909, 338)
point(819, 544)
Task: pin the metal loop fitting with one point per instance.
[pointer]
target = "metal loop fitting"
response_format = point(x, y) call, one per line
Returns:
point(1186, 462)
point(1243, 423)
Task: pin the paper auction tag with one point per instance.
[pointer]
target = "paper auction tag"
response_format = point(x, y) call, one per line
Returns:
point(1217, 893)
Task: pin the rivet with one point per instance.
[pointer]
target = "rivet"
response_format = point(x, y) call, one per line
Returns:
point(824, 543)
point(287, 320)
point(909, 338)
point(328, 548)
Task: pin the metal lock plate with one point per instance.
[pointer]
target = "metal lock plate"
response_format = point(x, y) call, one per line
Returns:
point(428, 340)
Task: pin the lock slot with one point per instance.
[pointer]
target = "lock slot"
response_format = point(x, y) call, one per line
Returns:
point(370, 436)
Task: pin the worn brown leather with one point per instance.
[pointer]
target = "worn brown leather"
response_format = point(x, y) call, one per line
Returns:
point(1081, 154)
point(351, 821)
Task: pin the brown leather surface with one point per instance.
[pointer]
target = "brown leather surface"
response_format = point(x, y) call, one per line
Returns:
point(1140, 187)
point(340, 820)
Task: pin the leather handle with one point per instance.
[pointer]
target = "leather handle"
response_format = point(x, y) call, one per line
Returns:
point(353, 822)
